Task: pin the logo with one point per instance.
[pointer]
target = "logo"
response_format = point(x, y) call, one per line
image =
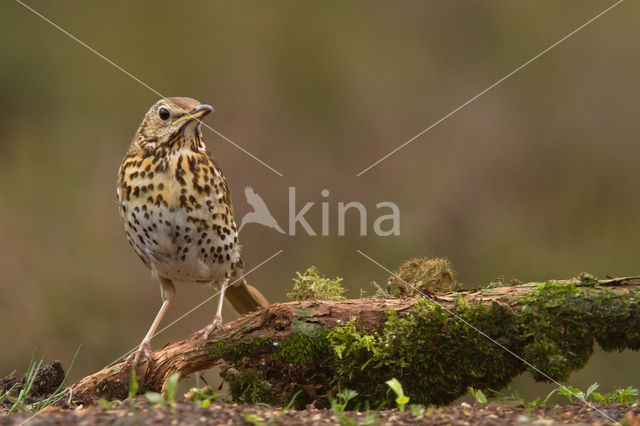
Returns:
point(260, 214)
point(384, 225)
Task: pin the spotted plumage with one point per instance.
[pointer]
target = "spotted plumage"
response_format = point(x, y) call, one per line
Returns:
point(175, 206)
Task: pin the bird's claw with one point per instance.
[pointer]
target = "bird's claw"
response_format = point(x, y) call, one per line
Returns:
point(203, 335)
point(142, 353)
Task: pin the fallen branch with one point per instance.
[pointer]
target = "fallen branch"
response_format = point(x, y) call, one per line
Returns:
point(315, 346)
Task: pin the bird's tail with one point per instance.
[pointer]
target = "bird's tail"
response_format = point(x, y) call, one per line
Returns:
point(244, 298)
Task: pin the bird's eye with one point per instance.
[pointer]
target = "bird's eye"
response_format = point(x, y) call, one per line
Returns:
point(164, 114)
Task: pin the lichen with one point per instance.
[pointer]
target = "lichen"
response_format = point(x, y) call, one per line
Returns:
point(312, 286)
point(422, 275)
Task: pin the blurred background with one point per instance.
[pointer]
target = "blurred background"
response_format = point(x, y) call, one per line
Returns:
point(537, 179)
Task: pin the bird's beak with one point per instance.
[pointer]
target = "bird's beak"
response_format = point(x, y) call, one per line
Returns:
point(201, 110)
point(195, 114)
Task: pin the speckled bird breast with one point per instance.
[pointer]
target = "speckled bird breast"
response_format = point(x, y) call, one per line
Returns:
point(177, 215)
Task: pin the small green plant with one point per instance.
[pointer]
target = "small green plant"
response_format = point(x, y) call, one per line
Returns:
point(538, 402)
point(627, 394)
point(402, 400)
point(591, 390)
point(254, 419)
point(369, 417)
point(339, 406)
point(311, 286)
point(108, 405)
point(478, 395)
point(202, 397)
point(133, 389)
point(156, 399)
point(172, 388)
point(32, 371)
point(290, 404)
point(417, 410)
point(60, 392)
point(513, 399)
point(133, 384)
point(570, 392)
point(8, 392)
point(20, 402)
point(344, 397)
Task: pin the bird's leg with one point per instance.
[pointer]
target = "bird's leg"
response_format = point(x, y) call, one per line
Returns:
point(216, 324)
point(217, 320)
point(167, 291)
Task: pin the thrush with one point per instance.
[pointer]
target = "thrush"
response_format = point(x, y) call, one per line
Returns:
point(175, 206)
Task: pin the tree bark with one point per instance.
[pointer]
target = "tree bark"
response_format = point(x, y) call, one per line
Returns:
point(246, 336)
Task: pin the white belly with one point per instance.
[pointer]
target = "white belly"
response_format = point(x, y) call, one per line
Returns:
point(178, 247)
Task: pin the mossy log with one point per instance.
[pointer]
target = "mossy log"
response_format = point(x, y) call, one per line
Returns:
point(319, 346)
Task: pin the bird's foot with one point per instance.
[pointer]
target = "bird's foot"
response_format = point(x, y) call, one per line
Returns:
point(141, 356)
point(203, 335)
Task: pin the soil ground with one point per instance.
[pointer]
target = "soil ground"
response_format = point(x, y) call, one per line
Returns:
point(233, 414)
point(87, 411)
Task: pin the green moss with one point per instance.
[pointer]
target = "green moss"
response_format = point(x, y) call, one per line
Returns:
point(261, 370)
point(112, 389)
point(437, 357)
point(559, 338)
point(304, 350)
point(312, 286)
point(564, 323)
point(231, 351)
point(248, 386)
point(308, 342)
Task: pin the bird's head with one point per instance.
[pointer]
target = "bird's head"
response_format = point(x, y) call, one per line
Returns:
point(172, 124)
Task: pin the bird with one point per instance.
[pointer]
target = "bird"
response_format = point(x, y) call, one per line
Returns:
point(175, 206)
point(260, 213)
